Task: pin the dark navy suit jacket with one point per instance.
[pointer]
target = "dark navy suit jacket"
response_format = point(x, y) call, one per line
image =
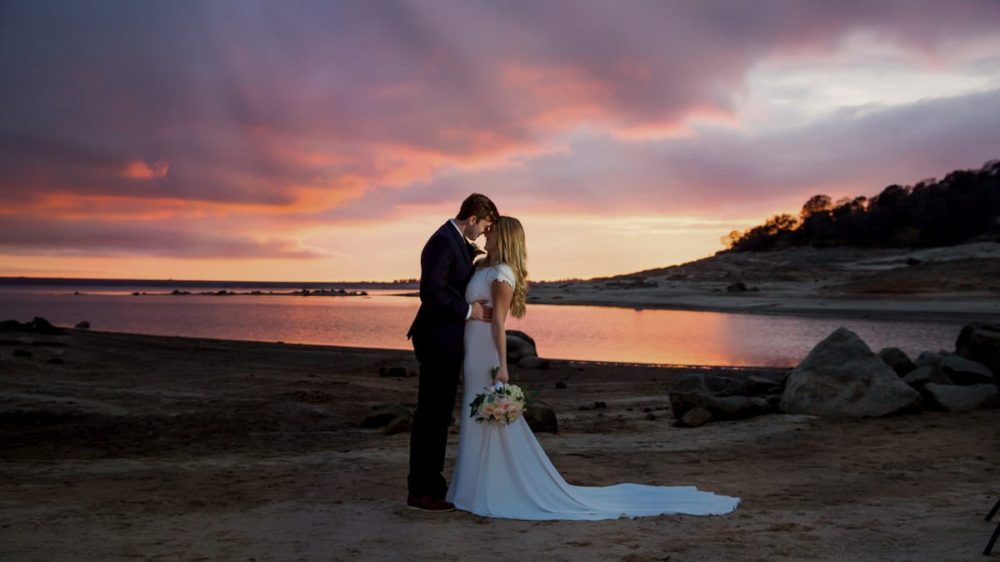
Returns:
point(445, 270)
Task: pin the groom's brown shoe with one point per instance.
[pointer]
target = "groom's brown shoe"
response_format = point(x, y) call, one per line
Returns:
point(429, 503)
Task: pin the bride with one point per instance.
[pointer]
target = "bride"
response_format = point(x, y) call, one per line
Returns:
point(502, 471)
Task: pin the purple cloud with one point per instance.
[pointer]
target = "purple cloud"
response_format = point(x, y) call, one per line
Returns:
point(348, 111)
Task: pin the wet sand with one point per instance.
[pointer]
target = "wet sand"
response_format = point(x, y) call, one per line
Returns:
point(157, 448)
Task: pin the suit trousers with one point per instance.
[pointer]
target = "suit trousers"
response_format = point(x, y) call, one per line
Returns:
point(438, 385)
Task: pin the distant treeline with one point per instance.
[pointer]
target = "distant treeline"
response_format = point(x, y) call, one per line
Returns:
point(963, 206)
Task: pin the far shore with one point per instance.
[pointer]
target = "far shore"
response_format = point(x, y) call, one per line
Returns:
point(950, 284)
point(937, 308)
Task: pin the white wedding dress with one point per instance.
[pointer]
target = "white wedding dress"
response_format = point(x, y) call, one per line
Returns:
point(502, 471)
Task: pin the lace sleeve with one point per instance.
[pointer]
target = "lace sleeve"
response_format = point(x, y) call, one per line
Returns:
point(505, 273)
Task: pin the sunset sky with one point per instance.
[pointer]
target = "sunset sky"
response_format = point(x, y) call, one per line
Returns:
point(326, 140)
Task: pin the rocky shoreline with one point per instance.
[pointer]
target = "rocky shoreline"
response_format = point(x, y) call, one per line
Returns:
point(118, 446)
point(842, 377)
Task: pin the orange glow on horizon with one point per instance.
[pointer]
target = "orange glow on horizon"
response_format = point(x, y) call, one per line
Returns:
point(559, 247)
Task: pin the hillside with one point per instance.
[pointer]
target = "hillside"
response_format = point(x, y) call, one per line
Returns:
point(956, 282)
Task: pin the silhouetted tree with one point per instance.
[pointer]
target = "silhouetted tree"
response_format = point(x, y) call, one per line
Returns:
point(815, 204)
point(963, 205)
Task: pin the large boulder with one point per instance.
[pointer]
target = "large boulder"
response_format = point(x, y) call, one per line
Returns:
point(519, 346)
point(955, 398)
point(897, 359)
point(981, 343)
point(842, 377)
point(965, 371)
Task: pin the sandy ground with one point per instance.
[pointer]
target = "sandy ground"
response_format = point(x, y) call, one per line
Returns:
point(152, 448)
point(953, 283)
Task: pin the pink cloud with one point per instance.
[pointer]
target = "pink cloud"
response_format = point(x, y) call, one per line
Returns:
point(298, 115)
point(139, 170)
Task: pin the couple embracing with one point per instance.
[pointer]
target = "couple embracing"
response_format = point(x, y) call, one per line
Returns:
point(500, 470)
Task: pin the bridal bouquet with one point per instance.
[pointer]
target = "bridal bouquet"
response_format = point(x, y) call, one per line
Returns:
point(499, 404)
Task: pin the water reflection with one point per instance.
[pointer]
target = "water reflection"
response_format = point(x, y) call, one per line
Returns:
point(381, 320)
point(709, 338)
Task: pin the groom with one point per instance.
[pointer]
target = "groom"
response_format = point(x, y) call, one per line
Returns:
point(437, 333)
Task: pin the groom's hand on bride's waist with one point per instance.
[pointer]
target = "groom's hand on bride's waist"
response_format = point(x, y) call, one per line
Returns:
point(481, 312)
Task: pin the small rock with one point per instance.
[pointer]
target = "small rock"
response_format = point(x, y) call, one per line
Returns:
point(56, 361)
point(22, 353)
point(738, 287)
point(981, 343)
point(541, 418)
point(929, 358)
point(897, 359)
point(758, 384)
point(397, 372)
point(920, 376)
point(965, 371)
point(955, 398)
point(694, 417)
point(560, 385)
point(651, 417)
point(600, 405)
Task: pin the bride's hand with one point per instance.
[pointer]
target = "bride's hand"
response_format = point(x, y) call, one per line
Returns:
point(502, 375)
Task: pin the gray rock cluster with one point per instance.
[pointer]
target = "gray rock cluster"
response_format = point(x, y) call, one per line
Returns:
point(698, 398)
point(842, 377)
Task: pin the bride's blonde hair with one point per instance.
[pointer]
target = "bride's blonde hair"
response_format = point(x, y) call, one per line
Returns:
point(511, 251)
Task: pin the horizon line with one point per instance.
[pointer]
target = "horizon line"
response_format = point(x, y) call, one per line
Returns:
point(6, 278)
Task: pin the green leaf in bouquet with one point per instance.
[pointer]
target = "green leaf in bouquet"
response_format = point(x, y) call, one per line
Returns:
point(475, 404)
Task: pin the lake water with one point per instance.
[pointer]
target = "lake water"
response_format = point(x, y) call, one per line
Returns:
point(381, 320)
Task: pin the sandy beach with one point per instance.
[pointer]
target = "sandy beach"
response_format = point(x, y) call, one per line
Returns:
point(157, 448)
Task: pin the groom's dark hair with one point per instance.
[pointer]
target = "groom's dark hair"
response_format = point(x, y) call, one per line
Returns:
point(480, 206)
